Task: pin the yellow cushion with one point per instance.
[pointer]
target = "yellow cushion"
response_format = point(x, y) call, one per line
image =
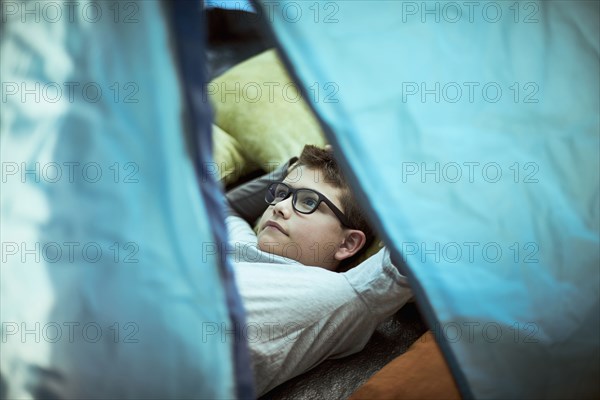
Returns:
point(230, 164)
point(258, 104)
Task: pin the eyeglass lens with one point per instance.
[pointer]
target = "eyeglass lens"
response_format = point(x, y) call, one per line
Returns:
point(305, 200)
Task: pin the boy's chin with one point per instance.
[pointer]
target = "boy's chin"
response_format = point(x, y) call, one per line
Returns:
point(268, 242)
point(270, 246)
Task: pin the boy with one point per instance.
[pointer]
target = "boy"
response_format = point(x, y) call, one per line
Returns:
point(311, 218)
point(297, 316)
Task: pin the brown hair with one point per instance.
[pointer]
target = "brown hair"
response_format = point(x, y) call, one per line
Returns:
point(314, 157)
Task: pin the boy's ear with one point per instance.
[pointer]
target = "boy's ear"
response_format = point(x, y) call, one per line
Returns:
point(354, 241)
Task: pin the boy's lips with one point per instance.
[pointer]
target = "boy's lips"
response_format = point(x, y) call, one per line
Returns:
point(275, 225)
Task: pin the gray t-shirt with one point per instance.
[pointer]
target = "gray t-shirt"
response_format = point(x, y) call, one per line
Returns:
point(298, 316)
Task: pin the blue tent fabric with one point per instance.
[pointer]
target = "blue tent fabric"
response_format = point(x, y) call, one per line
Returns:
point(190, 39)
point(111, 286)
point(470, 133)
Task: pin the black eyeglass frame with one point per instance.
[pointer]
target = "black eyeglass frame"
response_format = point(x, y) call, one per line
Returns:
point(293, 192)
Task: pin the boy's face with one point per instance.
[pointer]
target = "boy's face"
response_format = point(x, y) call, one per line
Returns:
point(312, 239)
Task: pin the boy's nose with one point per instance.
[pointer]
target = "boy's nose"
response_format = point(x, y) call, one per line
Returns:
point(284, 207)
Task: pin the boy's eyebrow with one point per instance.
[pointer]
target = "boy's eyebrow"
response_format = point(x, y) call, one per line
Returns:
point(290, 184)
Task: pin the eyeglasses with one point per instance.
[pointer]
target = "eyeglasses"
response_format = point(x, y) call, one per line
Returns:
point(305, 201)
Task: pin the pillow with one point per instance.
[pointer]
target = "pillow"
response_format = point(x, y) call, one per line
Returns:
point(230, 164)
point(258, 104)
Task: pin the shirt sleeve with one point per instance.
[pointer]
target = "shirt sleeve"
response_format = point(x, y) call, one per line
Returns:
point(380, 285)
point(239, 231)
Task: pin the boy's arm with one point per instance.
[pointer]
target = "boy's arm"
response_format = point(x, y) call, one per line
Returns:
point(248, 200)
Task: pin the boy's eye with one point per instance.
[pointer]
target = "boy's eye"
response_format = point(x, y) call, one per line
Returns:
point(281, 193)
point(310, 203)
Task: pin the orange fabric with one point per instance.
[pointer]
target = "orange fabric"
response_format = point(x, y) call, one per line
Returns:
point(420, 373)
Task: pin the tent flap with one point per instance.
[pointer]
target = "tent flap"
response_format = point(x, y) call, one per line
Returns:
point(471, 135)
